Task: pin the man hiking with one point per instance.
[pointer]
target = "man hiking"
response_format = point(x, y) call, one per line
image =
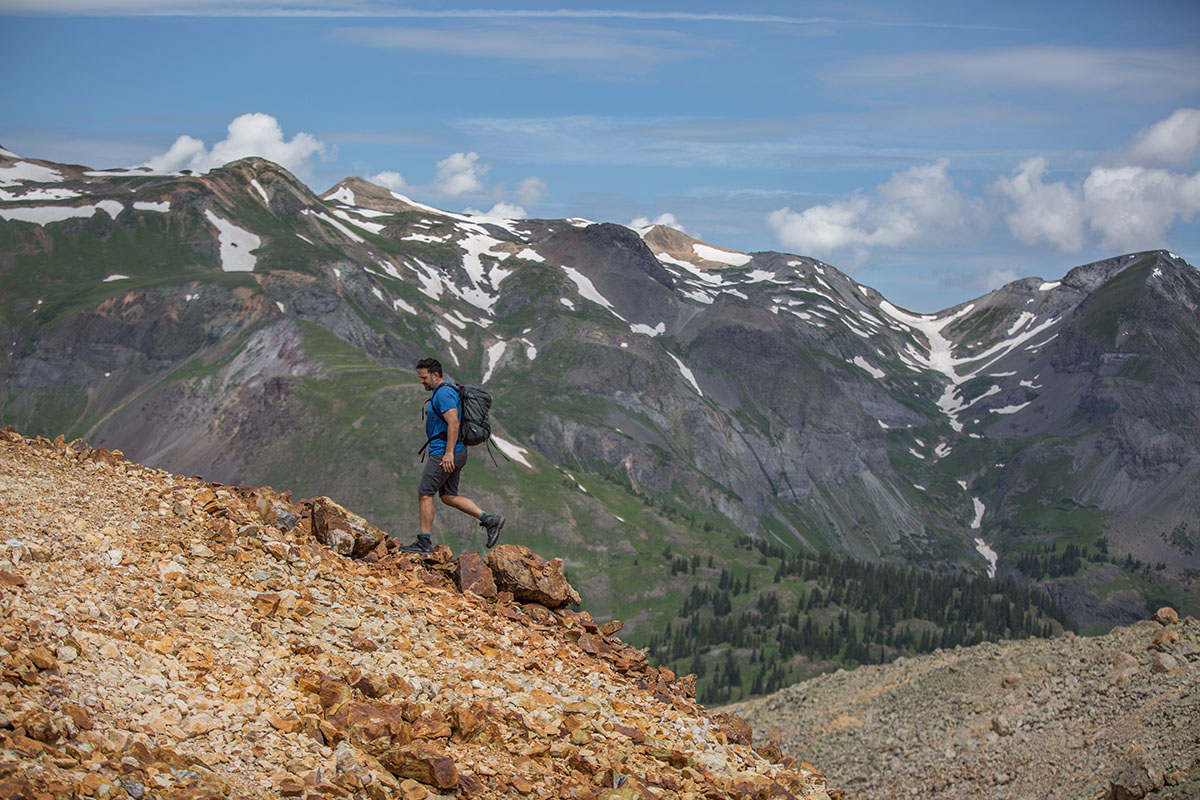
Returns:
point(444, 465)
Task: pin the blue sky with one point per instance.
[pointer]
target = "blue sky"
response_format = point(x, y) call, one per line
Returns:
point(934, 150)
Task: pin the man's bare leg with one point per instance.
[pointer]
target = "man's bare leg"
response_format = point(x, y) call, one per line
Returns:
point(463, 504)
point(425, 513)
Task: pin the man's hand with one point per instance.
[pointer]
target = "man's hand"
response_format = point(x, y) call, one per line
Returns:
point(448, 461)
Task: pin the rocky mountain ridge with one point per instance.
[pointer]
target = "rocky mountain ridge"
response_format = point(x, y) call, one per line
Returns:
point(165, 637)
point(1070, 718)
point(238, 326)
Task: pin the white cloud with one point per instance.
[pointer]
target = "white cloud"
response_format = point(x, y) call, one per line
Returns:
point(912, 206)
point(460, 174)
point(530, 190)
point(389, 180)
point(248, 135)
point(562, 43)
point(669, 220)
point(1052, 213)
point(501, 210)
point(1132, 207)
point(1171, 142)
point(1126, 205)
point(997, 278)
point(1131, 72)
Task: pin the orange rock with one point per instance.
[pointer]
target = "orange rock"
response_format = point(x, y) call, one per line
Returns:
point(11, 578)
point(42, 658)
point(531, 578)
point(266, 603)
point(333, 694)
point(736, 729)
point(611, 627)
point(80, 716)
point(411, 790)
point(96, 785)
point(288, 724)
point(422, 762)
point(431, 725)
point(474, 575)
point(371, 722)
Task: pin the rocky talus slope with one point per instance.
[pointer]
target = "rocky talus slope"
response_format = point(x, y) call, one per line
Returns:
point(165, 637)
point(1115, 716)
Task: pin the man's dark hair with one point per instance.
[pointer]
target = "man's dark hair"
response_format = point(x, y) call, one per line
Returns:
point(432, 364)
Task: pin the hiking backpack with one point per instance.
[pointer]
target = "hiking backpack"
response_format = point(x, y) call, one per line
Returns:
point(474, 427)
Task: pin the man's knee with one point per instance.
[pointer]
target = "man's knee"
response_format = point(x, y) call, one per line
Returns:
point(449, 499)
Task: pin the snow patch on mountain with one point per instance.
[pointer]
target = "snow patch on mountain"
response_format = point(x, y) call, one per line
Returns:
point(583, 284)
point(697, 295)
point(344, 194)
point(492, 357)
point(335, 224)
point(145, 205)
point(862, 363)
point(1022, 320)
point(511, 450)
point(686, 373)
point(132, 172)
point(721, 256)
point(657, 330)
point(484, 277)
point(940, 357)
point(423, 237)
point(236, 244)
point(1011, 409)
point(44, 215)
point(262, 192)
point(28, 171)
point(372, 227)
point(389, 268)
point(39, 194)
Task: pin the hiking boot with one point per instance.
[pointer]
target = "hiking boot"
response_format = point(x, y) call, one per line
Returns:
point(422, 546)
point(492, 523)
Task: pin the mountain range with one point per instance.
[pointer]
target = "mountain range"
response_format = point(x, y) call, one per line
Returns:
point(656, 395)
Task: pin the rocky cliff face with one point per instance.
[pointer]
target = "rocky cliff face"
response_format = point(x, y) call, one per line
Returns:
point(237, 326)
point(1112, 716)
point(167, 637)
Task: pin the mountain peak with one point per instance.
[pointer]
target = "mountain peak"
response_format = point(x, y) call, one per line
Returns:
point(676, 244)
point(361, 193)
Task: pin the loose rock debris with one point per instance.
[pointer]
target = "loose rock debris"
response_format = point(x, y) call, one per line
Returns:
point(165, 637)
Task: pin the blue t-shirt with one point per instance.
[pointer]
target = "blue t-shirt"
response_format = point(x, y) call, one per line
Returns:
point(445, 397)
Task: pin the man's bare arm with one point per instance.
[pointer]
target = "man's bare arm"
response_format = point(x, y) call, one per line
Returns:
point(451, 417)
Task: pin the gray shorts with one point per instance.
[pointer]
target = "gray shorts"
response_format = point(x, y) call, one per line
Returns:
point(435, 480)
